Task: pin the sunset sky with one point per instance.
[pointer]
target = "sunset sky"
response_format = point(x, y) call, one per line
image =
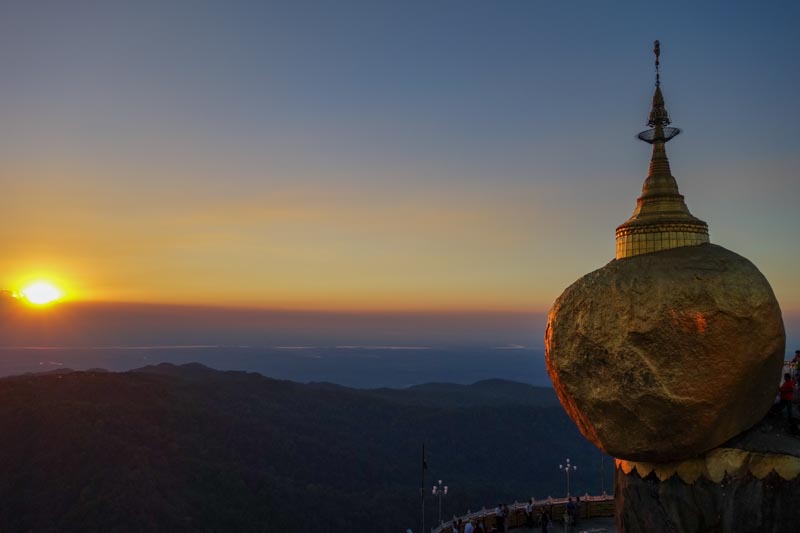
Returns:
point(448, 155)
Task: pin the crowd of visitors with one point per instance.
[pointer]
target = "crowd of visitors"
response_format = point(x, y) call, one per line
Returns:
point(787, 392)
point(502, 520)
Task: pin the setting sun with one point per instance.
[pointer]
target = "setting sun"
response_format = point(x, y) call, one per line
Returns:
point(41, 293)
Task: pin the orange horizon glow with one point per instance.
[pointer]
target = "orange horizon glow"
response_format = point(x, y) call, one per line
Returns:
point(334, 300)
point(385, 302)
point(351, 307)
point(298, 250)
point(316, 307)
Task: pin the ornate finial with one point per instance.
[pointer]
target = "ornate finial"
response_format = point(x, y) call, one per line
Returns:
point(657, 52)
point(658, 119)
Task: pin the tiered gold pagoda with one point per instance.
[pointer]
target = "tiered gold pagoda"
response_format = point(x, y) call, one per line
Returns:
point(661, 220)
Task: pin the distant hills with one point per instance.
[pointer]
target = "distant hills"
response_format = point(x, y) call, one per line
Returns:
point(486, 393)
point(353, 366)
point(188, 448)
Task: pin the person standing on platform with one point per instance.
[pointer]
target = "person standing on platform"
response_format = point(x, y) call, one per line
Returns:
point(795, 365)
point(545, 520)
point(787, 395)
point(569, 512)
point(498, 518)
point(529, 513)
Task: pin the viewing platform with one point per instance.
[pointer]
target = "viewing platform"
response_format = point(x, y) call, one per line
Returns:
point(594, 514)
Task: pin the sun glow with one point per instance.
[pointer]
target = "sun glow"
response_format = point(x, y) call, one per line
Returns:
point(41, 293)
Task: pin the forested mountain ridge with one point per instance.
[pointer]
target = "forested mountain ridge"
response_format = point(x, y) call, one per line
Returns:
point(187, 448)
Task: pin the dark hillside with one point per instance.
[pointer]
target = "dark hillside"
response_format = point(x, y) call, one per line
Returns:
point(492, 392)
point(188, 448)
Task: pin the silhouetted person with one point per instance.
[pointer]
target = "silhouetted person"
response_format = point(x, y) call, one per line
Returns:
point(787, 395)
point(545, 520)
point(569, 512)
point(529, 513)
point(795, 365)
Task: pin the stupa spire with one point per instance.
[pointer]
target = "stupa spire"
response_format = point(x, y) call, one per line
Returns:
point(661, 219)
point(658, 113)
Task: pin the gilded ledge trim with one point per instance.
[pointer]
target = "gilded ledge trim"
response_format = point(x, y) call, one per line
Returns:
point(716, 463)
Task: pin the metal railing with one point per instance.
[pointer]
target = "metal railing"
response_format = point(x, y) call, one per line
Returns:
point(587, 507)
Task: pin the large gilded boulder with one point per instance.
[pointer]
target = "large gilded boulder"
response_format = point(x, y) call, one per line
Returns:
point(663, 356)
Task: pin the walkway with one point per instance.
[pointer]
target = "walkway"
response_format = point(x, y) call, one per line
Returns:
point(593, 525)
point(596, 514)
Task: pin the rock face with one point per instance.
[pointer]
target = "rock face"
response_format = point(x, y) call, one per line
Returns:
point(743, 497)
point(662, 356)
point(743, 505)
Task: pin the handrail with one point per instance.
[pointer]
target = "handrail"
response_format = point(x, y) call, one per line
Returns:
point(517, 506)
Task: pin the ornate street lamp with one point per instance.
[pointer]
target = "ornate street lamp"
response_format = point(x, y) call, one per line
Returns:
point(566, 468)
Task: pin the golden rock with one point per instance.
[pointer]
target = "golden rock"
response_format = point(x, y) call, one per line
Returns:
point(662, 356)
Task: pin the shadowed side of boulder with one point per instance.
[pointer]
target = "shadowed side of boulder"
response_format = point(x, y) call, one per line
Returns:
point(740, 504)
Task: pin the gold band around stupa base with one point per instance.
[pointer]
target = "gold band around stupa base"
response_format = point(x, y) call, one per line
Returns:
point(717, 463)
point(637, 240)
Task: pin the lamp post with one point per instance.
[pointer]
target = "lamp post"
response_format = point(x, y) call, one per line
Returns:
point(440, 490)
point(602, 474)
point(566, 468)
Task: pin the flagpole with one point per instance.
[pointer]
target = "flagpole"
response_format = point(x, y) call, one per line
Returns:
point(422, 489)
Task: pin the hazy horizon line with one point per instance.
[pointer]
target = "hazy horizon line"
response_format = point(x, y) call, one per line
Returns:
point(282, 309)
